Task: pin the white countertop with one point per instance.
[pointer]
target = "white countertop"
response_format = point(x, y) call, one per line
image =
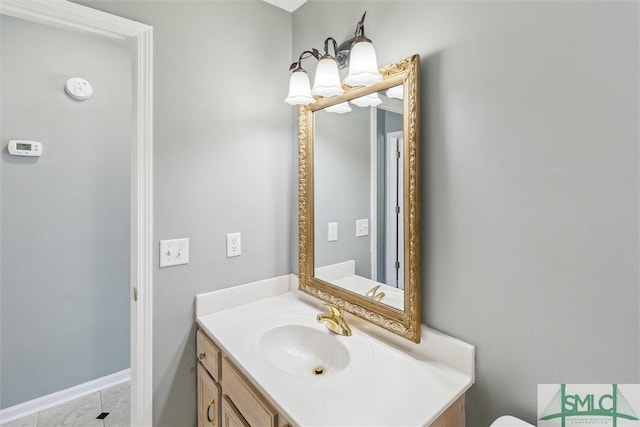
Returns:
point(393, 297)
point(392, 382)
point(343, 274)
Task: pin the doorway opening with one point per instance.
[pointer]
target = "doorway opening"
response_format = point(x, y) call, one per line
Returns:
point(85, 20)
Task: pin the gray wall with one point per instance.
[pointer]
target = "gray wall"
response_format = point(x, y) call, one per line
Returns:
point(530, 182)
point(222, 163)
point(342, 177)
point(65, 215)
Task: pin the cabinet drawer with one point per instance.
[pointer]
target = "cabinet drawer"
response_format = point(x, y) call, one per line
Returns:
point(208, 354)
point(250, 403)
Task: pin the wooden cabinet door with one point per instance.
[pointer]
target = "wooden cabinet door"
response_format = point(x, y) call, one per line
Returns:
point(230, 415)
point(208, 399)
point(453, 416)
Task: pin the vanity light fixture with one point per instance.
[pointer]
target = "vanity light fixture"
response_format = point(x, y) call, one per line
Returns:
point(299, 90)
point(327, 79)
point(370, 100)
point(363, 63)
point(358, 53)
point(341, 108)
point(396, 92)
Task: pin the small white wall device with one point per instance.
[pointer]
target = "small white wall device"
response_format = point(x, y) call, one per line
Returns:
point(19, 147)
point(78, 88)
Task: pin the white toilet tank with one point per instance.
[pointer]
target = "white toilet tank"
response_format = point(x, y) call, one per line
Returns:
point(509, 421)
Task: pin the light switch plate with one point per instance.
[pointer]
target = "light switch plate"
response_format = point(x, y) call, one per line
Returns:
point(174, 252)
point(333, 232)
point(362, 227)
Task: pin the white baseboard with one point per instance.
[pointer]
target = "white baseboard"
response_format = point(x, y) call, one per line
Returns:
point(50, 400)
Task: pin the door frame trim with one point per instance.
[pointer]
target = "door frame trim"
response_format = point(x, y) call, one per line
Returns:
point(75, 17)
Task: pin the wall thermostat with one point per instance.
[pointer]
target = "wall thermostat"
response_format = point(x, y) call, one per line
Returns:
point(18, 147)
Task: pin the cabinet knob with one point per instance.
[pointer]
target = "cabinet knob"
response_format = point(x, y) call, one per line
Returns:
point(211, 420)
point(202, 355)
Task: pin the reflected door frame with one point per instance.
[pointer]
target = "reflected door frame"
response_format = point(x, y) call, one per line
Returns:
point(373, 227)
point(78, 18)
point(394, 236)
point(373, 186)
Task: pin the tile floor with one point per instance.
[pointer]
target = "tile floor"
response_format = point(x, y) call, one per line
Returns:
point(84, 411)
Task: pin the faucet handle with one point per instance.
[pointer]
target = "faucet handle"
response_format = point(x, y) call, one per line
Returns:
point(334, 310)
point(334, 321)
point(374, 294)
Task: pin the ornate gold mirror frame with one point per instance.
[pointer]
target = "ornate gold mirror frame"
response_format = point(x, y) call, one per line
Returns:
point(404, 323)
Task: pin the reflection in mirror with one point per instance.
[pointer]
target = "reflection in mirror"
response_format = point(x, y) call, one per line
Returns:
point(358, 198)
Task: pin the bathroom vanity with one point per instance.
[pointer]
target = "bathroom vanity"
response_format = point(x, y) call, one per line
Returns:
point(264, 360)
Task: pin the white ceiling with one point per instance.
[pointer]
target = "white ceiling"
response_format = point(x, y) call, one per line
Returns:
point(288, 5)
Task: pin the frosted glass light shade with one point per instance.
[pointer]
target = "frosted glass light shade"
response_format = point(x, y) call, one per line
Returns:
point(370, 100)
point(363, 65)
point(396, 92)
point(327, 80)
point(341, 108)
point(299, 89)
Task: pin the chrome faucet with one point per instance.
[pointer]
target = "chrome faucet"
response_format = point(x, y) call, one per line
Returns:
point(374, 294)
point(334, 321)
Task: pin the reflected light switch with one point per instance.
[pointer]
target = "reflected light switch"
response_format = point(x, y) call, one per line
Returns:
point(362, 227)
point(333, 232)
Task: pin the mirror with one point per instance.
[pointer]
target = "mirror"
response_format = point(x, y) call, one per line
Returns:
point(359, 204)
point(358, 226)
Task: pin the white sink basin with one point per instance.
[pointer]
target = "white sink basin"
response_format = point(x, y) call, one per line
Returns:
point(302, 350)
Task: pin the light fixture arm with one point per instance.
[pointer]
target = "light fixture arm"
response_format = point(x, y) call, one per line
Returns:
point(306, 54)
point(326, 47)
point(359, 33)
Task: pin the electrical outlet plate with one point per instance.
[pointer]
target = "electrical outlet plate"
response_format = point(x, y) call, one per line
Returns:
point(333, 232)
point(362, 227)
point(234, 245)
point(174, 252)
